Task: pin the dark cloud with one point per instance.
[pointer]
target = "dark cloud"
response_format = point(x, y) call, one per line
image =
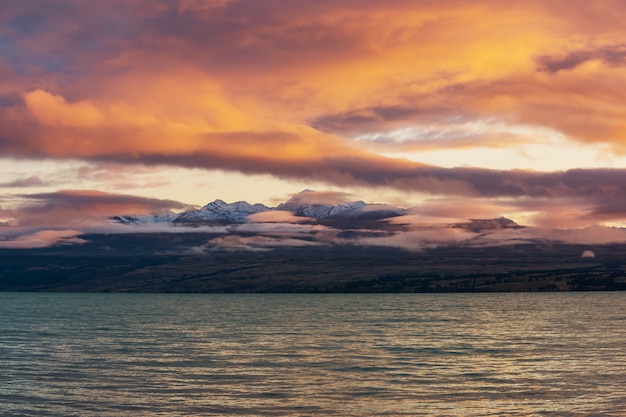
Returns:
point(363, 120)
point(593, 183)
point(28, 21)
point(77, 208)
point(32, 181)
point(11, 99)
point(85, 199)
point(611, 55)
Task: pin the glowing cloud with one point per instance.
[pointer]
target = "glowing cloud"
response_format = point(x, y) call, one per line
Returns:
point(42, 239)
point(338, 92)
point(276, 216)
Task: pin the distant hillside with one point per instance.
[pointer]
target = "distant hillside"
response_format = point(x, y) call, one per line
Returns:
point(147, 263)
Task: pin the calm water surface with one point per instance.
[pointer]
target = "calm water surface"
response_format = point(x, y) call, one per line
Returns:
point(310, 355)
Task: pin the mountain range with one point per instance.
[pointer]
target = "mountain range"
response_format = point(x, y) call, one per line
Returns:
point(317, 242)
point(308, 207)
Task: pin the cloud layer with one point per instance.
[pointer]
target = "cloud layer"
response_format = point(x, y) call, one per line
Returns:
point(43, 239)
point(76, 208)
point(49, 219)
point(325, 91)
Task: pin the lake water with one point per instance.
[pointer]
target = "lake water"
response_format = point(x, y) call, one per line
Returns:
point(558, 354)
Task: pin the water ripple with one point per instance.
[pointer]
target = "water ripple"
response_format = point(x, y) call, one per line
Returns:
point(94, 355)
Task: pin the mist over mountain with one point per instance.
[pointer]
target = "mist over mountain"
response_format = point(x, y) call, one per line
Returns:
point(313, 242)
point(332, 219)
point(310, 205)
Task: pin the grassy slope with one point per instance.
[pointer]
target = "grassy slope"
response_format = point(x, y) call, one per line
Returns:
point(157, 263)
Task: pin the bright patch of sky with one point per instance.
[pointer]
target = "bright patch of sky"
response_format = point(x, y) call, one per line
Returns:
point(493, 145)
point(191, 186)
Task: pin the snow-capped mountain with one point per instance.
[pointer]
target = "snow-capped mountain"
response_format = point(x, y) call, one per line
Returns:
point(321, 207)
point(220, 212)
point(150, 219)
point(326, 208)
point(305, 204)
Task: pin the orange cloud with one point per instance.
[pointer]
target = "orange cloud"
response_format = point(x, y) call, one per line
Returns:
point(283, 87)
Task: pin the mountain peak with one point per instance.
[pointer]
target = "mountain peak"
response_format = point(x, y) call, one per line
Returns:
point(219, 211)
point(320, 205)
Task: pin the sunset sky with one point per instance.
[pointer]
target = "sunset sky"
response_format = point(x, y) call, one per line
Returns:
point(461, 109)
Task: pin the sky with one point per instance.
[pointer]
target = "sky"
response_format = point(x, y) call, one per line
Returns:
point(456, 109)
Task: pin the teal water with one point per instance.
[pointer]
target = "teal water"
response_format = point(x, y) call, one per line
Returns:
point(561, 354)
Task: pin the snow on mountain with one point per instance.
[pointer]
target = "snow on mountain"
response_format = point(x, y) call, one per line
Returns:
point(150, 219)
point(323, 206)
point(318, 205)
point(328, 208)
point(220, 212)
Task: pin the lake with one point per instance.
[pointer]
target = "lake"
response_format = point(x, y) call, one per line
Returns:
point(520, 354)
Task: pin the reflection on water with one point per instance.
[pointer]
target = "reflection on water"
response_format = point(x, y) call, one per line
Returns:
point(304, 355)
